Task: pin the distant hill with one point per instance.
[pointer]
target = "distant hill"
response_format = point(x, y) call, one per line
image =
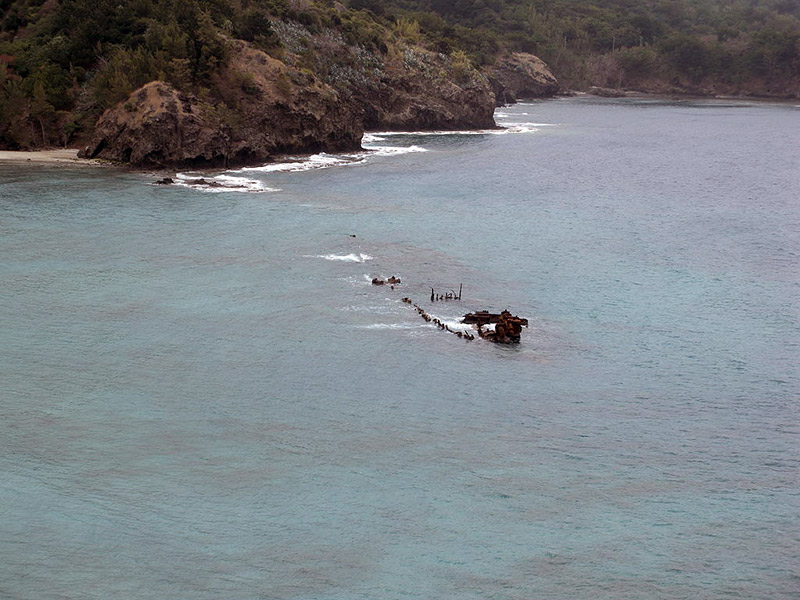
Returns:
point(394, 63)
point(744, 47)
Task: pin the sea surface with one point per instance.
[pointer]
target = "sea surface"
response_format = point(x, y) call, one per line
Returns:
point(203, 397)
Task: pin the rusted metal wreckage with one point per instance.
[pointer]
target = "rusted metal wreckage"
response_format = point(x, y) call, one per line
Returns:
point(507, 327)
point(451, 295)
point(500, 328)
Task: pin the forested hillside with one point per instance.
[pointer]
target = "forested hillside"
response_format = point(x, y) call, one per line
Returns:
point(63, 62)
point(733, 46)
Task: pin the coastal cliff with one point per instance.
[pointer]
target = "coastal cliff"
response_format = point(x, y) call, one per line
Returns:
point(262, 106)
point(423, 90)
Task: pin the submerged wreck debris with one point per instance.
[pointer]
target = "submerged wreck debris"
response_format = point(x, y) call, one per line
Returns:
point(449, 295)
point(438, 322)
point(507, 327)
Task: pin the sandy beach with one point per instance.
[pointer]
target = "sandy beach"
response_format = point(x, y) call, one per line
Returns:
point(63, 156)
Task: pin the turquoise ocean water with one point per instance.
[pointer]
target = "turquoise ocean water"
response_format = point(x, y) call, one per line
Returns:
point(203, 397)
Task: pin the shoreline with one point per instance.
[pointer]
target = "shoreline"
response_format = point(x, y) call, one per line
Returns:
point(623, 93)
point(63, 156)
point(69, 156)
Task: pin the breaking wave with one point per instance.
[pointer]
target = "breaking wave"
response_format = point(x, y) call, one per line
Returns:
point(517, 128)
point(503, 129)
point(355, 258)
point(456, 325)
point(324, 161)
point(373, 310)
point(304, 163)
point(381, 136)
point(392, 326)
point(221, 183)
point(389, 150)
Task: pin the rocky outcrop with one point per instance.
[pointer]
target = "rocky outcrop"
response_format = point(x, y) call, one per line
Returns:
point(157, 125)
point(262, 107)
point(521, 76)
point(424, 91)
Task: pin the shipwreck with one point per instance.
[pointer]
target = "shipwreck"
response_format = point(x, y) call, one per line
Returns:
point(507, 327)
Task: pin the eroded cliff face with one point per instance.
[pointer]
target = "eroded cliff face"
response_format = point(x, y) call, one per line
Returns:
point(261, 107)
point(521, 76)
point(156, 125)
point(422, 90)
point(402, 87)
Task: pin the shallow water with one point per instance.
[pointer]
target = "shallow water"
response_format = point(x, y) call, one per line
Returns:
point(204, 397)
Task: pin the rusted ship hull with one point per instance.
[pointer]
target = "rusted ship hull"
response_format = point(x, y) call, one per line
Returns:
point(483, 317)
point(507, 327)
